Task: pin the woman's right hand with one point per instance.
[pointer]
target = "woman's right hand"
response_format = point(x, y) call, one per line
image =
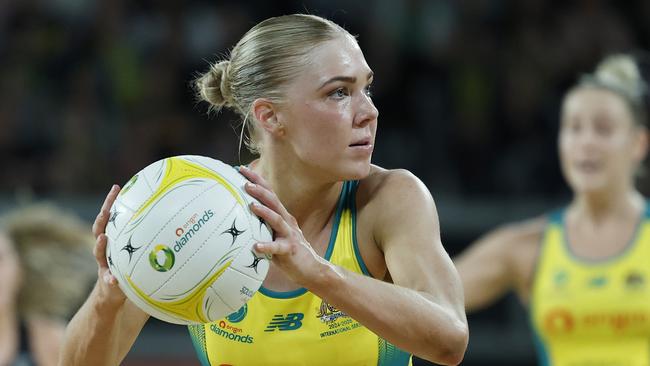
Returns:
point(108, 289)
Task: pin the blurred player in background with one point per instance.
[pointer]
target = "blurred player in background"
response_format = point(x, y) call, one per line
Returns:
point(583, 271)
point(46, 272)
point(359, 275)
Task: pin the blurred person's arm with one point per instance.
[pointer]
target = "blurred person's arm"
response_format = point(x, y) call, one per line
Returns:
point(45, 339)
point(500, 261)
point(104, 329)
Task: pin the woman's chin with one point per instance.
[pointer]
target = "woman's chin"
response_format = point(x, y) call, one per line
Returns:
point(589, 187)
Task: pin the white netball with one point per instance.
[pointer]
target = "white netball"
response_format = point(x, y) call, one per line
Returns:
point(180, 240)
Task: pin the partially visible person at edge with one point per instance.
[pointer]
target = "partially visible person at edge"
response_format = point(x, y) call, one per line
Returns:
point(357, 240)
point(583, 271)
point(46, 271)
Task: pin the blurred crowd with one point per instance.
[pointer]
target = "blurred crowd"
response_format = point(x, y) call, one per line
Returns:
point(468, 91)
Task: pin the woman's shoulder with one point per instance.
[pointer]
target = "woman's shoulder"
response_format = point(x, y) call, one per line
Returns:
point(389, 184)
point(522, 242)
point(525, 231)
point(386, 197)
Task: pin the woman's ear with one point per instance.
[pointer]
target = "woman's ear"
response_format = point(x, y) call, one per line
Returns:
point(266, 114)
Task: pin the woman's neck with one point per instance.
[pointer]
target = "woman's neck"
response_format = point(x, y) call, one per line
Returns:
point(602, 205)
point(310, 199)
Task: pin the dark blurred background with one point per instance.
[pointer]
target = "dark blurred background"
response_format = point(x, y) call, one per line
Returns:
point(468, 91)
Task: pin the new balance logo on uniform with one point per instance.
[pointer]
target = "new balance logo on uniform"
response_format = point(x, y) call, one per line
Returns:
point(281, 322)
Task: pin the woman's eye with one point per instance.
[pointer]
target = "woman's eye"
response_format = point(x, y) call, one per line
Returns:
point(571, 127)
point(339, 93)
point(368, 90)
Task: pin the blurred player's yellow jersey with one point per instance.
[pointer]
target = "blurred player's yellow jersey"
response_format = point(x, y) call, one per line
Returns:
point(297, 327)
point(592, 312)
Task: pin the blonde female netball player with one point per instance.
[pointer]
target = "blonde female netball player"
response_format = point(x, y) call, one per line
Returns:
point(359, 275)
point(583, 271)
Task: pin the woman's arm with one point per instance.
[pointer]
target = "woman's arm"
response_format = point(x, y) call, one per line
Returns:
point(45, 338)
point(422, 312)
point(501, 261)
point(105, 327)
point(101, 333)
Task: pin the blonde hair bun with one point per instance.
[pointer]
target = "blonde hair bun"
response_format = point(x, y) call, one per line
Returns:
point(214, 86)
point(620, 71)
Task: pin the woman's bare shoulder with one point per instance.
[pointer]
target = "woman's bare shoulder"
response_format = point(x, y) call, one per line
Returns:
point(383, 183)
point(525, 231)
point(522, 241)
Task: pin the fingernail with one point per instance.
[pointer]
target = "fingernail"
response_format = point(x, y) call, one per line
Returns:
point(259, 246)
point(114, 187)
point(243, 167)
point(250, 185)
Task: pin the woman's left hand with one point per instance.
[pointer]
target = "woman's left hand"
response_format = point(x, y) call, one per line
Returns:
point(289, 248)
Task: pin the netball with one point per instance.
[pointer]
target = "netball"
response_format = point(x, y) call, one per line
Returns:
point(180, 240)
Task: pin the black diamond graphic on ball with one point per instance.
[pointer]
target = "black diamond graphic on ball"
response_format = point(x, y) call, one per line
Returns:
point(110, 260)
point(256, 261)
point(130, 249)
point(113, 216)
point(234, 231)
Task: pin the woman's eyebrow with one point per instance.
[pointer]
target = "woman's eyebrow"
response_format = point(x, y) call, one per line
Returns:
point(347, 79)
